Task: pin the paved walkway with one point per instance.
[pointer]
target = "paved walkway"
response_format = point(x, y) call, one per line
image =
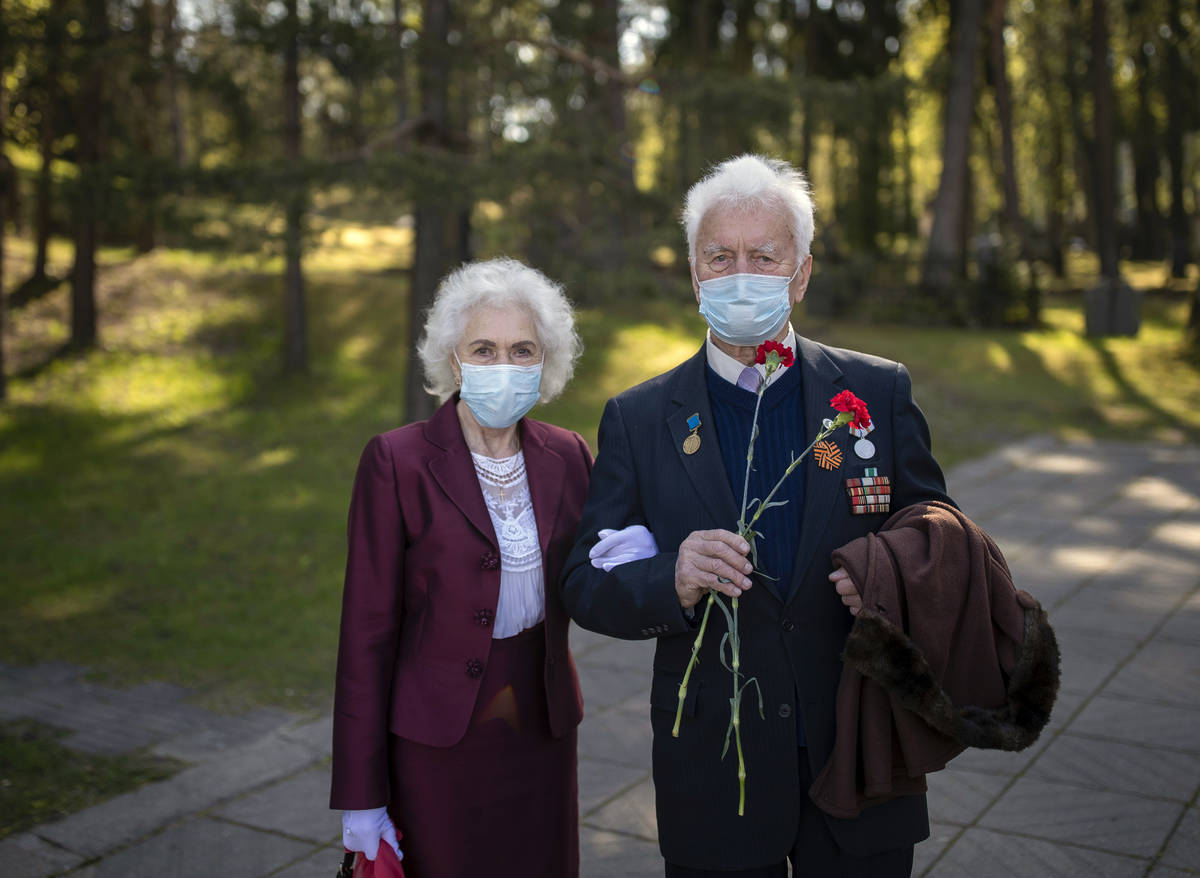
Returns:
point(1107, 536)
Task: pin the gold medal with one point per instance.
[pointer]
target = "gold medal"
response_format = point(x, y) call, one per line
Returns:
point(691, 444)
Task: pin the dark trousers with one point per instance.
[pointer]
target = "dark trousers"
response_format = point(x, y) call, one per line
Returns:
point(814, 853)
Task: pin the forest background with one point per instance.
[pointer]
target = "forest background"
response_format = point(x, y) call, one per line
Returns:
point(221, 221)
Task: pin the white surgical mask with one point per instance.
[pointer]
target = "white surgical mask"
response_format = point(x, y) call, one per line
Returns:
point(746, 309)
point(499, 396)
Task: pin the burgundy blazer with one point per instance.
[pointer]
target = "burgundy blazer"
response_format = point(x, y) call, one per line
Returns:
point(422, 584)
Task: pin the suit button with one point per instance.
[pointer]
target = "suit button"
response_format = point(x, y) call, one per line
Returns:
point(474, 668)
point(788, 624)
point(484, 617)
point(489, 561)
point(785, 710)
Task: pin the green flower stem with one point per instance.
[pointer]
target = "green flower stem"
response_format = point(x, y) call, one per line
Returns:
point(762, 387)
point(795, 463)
point(735, 642)
point(737, 737)
point(687, 675)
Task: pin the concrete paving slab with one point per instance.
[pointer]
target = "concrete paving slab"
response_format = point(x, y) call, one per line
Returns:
point(316, 735)
point(1119, 767)
point(124, 819)
point(1128, 612)
point(609, 855)
point(623, 655)
point(1139, 722)
point(1184, 624)
point(1100, 820)
point(201, 848)
point(604, 687)
point(982, 853)
point(27, 856)
point(617, 736)
point(601, 781)
point(1089, 657)
point(583, 641)
point(1001, 762)
point(957, 796)
point(928, 851)
point(631, 814)
point(1183, 848)
point(323, 863)
point(297, 807)
point(1161, 671)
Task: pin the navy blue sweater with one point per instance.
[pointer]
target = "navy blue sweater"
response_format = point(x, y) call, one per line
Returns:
point(780, 426)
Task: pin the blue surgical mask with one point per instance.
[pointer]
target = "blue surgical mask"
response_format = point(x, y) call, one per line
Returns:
point(500, 395)
point(746, 309)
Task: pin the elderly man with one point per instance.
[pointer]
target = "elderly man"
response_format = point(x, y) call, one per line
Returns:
point(672, 458)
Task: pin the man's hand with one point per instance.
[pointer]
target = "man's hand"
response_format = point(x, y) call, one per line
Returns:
point(713, 559)
point(847, 589)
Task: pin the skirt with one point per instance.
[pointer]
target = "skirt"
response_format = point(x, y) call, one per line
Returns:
point(503, 801)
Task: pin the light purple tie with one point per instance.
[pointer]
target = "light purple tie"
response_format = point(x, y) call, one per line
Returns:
point(749, 379)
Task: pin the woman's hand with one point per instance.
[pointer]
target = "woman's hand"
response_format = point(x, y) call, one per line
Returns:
point(363, 830)
point(847, 590)
point(617, 547)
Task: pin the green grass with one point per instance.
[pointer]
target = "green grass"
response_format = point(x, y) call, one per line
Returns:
point(174, 509)
point(41, 780)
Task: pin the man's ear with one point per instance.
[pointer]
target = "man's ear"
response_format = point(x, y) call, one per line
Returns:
point(800, 284)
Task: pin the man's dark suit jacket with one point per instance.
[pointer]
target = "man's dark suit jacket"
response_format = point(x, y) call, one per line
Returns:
point(422, 583)
point(792, 646)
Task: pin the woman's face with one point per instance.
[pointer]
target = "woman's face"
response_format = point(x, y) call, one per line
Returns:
point(498, 336)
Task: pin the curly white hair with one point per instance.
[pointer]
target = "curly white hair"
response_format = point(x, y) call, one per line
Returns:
point(499, 283)
point(752, 181)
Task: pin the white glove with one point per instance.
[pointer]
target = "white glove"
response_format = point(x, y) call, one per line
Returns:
point(362, 830)
point(617, 547)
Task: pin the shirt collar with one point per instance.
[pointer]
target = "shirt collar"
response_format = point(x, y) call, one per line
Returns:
point(730, 369)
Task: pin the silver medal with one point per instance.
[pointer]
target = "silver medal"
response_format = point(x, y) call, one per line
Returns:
point(864, 448)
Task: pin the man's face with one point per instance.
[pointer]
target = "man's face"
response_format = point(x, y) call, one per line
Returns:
point(752, 241)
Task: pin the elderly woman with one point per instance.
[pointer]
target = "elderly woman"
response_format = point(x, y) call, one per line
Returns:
point(457, 700)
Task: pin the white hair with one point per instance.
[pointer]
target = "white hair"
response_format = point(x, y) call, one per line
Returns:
point(499, 283)
point(752, 181)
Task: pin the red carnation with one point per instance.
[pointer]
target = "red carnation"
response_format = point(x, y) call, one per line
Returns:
point(783, 351)
point(848, 402)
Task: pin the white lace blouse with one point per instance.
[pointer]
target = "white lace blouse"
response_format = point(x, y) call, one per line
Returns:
point(522, 591)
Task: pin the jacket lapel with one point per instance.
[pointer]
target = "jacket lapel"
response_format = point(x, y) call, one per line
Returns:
point(455, 472)
point(705, 468)
point(544, 470)
point(822, 380)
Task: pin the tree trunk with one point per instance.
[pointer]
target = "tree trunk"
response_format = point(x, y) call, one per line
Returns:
point(1112, 307)
point(1012, 203)
point(295, 345)
point(399, 73)
point(92, 186)
point(1103, 165)
point(41, 209)
point(612, 96)
point(6, 181)
point(1178, 102)
point(1053, 169)
point(946, 246)
point(1077, 87)
point(1147, 237)
point(171, 81)
point(434, 219)
point(145, 233)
